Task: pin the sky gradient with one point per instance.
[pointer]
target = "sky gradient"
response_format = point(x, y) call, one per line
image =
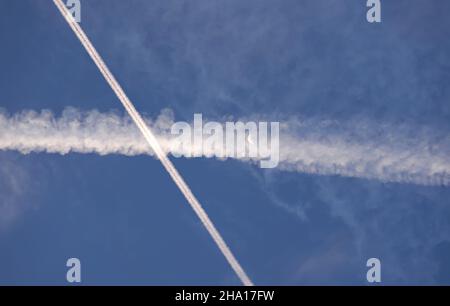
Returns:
point(312, 59)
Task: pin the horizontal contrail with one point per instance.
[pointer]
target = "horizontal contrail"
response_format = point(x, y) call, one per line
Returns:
point(153, 142)
point(357, 149)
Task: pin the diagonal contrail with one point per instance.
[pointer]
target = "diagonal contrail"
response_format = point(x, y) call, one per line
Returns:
point(152, 141)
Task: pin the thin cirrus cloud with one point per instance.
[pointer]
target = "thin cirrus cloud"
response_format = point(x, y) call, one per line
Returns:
point(360, 149)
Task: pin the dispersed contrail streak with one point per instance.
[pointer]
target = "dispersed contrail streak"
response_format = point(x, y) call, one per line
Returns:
point(152, 141)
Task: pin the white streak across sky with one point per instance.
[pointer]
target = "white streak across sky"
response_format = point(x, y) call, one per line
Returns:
point(360, 149)
point(153, 143)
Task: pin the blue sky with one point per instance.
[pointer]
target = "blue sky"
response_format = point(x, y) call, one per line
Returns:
point(125, 219)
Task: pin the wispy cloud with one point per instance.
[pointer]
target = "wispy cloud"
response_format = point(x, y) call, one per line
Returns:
point(15, 187)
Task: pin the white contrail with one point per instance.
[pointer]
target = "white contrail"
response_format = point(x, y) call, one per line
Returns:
point(364, 149)
point(152, 141)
